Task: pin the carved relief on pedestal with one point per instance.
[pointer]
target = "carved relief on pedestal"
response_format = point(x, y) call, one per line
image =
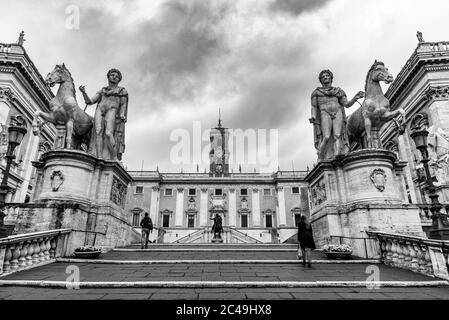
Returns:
point(379, 179)
point(118, 192)
point(319, 193)
point(57, 179)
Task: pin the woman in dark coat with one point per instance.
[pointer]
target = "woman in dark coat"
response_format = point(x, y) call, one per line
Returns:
point(305, 238)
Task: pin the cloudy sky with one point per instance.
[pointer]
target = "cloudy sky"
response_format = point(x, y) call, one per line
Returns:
point(257, 60)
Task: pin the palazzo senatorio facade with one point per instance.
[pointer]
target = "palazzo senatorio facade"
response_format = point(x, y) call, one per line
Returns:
point(255, 207)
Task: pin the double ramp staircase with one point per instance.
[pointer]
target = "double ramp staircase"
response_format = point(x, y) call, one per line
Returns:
point(217, 271)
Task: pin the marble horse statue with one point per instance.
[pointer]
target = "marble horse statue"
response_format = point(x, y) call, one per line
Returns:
point(64, 110)
point(375, 110)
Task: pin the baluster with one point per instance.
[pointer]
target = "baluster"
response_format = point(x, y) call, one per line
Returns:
point(394, 253)
point(30, 253)
point(42, 250)
point(407, 258)
point(53, 244)
point(8, 257)
point(414, 257)
point(15, 257)
point(47, 249)
point(23, 254)
point(421, 259)
point(36, 251)
point(427, 259)
point(399, 250)
point(388, 252)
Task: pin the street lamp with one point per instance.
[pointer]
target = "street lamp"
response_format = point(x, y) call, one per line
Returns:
point(16, 132)
point(419, 133)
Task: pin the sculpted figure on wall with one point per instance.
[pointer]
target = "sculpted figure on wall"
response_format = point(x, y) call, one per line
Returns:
point(329, 118)
point(438, 141)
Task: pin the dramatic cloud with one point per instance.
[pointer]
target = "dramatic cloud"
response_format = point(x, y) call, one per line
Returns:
point(296, 7)
point(257, 60)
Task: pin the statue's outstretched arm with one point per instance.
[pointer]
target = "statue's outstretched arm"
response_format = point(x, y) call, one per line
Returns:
point(88, 100)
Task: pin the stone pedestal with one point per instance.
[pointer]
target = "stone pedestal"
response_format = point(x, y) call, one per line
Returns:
point(78, 191)
point(359, 192)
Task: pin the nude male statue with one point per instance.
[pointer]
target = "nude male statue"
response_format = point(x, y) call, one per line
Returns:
point(110, 115)
point(329, 118)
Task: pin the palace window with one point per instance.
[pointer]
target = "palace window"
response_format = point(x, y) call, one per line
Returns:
point(243, 192)
point(267, 192)
point(295, 190)
point(244, 220)
point(136, 219)
point(168, 192)
point(139, 190)
point(268, 221)
point(218, 192)
point(166, 221)
point(191, 221)
point(192, 192)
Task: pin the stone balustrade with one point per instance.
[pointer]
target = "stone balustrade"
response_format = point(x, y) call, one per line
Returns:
point(422, 255)
point(32, 249)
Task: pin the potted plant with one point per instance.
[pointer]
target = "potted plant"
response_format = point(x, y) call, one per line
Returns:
point(87, 252)
point(338, 251)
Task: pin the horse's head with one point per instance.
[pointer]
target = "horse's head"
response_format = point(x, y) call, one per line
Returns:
point(59, 74)
point(379, 73)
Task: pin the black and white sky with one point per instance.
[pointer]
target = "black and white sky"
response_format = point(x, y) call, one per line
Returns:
point(257, 60)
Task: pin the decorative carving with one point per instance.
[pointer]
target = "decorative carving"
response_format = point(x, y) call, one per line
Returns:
point(118, 192)
point(379, 179)
point(155, 188)
point(319, 193)
point(180, 190)
point(392, 146)
point(255, 190)
point(436, 93)
point(217, 202)
point(192, 206)
point(57, 179)
point(6, 93)
point(204, 190)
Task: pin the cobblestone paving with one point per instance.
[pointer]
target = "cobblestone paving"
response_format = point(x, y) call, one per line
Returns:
point(217, 272)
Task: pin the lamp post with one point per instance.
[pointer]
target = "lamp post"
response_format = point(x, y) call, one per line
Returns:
point(16, 132)
point(419, 133)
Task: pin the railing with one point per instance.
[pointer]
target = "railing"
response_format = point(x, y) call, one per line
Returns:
point(370, 246)
point(429, 257)
point(25, 251)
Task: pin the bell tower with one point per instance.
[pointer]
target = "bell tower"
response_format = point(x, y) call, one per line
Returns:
point(219, 152)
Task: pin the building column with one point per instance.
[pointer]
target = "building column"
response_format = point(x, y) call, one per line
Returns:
point(154, 205)
point(281, 207)
point(203, 207)
point(179, 207)
point(232, 208)
point(256, 208)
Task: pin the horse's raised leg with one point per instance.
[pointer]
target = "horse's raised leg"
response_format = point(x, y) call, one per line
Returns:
point(369, 138)
point(69, 133)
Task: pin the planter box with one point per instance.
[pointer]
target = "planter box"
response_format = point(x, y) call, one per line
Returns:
point(338, 255)
point(87, 255)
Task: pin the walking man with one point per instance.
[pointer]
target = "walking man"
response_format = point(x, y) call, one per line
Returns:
point(147, 228)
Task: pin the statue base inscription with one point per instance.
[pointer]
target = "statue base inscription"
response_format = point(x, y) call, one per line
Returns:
point(361, 191)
